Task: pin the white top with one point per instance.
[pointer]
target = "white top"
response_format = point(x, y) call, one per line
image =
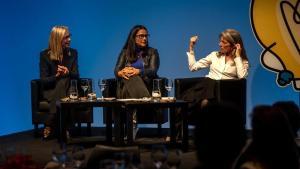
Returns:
point(218, 69)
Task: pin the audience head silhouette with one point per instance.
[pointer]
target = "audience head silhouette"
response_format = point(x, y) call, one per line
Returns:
point(272, 145)
point(291, 111)
point(219, 135)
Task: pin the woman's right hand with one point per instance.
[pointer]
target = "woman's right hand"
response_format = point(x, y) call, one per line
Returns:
point(61, 70)
point(193, 41)
point(122, 73)
point(127, 72)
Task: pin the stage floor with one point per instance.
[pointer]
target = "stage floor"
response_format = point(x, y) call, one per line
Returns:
point(41, 150)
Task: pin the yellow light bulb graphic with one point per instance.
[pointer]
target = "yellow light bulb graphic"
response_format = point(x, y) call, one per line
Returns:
point(276, 25)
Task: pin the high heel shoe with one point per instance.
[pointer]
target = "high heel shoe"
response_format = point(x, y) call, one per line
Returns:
point(168, 139)
point(47, 132)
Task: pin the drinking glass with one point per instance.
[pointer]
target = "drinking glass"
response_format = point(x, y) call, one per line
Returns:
point(91, 91)
point(107, 164)
point(102, 85)
point(121, 159)
point(2, 157)
point(174, 159)
point(73, 90)
point(169, 85)
point(59, 155)
point(159, 155)
point(84, 83)
point(9, 151)
point(156, 94)
point(78, 156)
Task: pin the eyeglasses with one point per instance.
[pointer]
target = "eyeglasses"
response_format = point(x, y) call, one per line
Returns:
point(141, 36)
point(68, 36)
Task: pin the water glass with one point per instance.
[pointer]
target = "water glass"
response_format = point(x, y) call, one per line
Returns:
point(78, 156)
point(169, 85)
point(159, 155)
point(107, 164)
point(84, 83)
point(91, 91)
point(60, 155)
point(174, 159)
point(102, 85)
point(73, 90)
point(156, 93)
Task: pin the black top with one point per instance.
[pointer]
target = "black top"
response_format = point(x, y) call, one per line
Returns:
point(151, 65)
point(52, 89)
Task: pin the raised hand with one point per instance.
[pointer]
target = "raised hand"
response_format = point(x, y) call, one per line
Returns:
point(193, 41)
point(238, 50)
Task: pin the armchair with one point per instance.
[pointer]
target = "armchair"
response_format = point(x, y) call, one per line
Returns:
point(143, 117)
point(40, 108)
point(231, 90)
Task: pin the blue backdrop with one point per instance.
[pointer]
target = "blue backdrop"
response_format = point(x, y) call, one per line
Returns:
point(99, 30)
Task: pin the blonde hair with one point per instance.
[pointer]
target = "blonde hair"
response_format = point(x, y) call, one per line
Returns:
point(55, 42)
point(234, 37)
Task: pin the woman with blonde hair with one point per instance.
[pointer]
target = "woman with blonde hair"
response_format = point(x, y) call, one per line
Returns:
point(58, 64)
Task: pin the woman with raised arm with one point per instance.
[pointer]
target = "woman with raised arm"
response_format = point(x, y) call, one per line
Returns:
point(230, 62)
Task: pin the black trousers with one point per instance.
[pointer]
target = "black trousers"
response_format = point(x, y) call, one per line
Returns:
point(134, 87)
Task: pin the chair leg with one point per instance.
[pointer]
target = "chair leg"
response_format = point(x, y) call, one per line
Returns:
point(36, 130)
point(89, 129)
point(79, 128)
point(159, 128)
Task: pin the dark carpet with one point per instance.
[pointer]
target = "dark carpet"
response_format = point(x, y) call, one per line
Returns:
point(41, 150)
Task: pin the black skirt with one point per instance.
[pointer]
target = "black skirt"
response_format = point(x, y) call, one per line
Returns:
point(195, 93)
point(204, 89)
point(134, 87)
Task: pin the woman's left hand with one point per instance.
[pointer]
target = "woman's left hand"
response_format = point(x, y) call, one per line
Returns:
point(238, 50)
point(130, 71)
point(64, 70)
point(133, 71)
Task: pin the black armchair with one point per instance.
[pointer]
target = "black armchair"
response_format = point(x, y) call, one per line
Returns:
point(40, 108)
point(231, 91)
point(143, 117)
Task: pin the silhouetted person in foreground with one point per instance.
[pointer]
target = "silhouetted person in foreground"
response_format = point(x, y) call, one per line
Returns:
point(272, 145)
point(219, 136)
point(291, 110)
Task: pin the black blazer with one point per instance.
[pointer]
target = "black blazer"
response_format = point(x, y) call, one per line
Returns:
point(50, 87)
point(151, 65)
